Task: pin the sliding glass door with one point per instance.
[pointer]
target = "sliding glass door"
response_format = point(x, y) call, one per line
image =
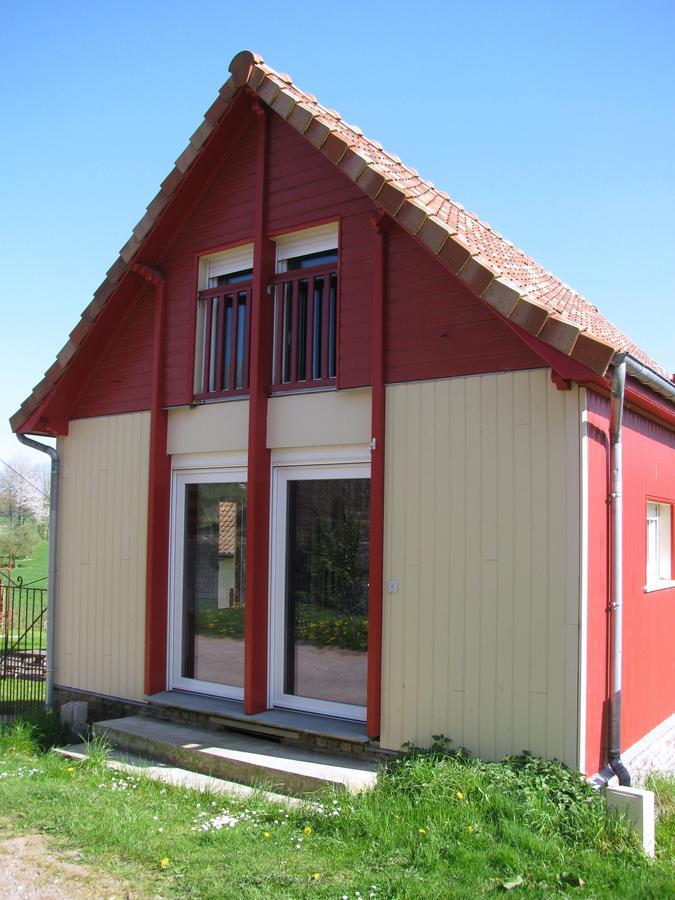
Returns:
point(320, 589)
point(208, 581)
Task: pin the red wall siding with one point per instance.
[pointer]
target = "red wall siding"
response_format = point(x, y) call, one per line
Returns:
point(304, 187)
point(648, 618)
point(121, 383)
point(223, 216)
point(435, 327)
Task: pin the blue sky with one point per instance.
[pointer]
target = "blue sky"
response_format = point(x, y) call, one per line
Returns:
point(554, 122)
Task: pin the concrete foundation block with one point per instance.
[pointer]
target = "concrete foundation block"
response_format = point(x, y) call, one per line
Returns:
point(74, 714)
point(638, 807)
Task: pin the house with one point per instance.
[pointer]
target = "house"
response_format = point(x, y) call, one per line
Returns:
point(329, 444)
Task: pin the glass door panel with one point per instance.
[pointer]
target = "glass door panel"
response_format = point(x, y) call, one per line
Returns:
point(323, 597)
point(210, 580)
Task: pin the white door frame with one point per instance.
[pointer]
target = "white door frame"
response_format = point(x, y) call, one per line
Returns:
point(285, 468)
point(180, 478)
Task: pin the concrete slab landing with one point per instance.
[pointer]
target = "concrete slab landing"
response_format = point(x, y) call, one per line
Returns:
point(237, 757)
point(281, 721)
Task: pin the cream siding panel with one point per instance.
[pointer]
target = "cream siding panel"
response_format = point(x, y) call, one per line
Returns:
point(100, 627)
point(208, 427)
point(319, 419)
point(482, 533)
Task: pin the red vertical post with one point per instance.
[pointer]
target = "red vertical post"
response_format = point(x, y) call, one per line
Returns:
point(376, 574)
point(159, 478)
point(258, 517)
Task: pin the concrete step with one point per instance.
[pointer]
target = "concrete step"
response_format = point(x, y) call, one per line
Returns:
point(237, 757)
point(287, 724)
point(133, 764)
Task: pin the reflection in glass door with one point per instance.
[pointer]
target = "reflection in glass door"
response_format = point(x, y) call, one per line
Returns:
point(209, 583)
point(321, 614)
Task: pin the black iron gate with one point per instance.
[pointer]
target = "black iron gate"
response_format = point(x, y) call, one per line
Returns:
point(23, 647)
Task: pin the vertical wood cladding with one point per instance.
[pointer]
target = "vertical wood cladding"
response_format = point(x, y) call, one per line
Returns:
point(482, 534)
point(434, 326)
point(648, 686)
point(102, 553)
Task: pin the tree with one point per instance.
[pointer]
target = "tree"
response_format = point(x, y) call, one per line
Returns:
point(24, 492)
point(18, 542)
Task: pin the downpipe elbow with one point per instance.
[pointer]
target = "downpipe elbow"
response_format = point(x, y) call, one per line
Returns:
point(619, 769)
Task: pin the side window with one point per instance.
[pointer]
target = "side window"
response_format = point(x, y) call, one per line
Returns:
point(223, 309)
point(305, 308)
point(659, 545)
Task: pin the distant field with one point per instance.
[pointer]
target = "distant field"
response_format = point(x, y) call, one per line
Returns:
point(33, 569)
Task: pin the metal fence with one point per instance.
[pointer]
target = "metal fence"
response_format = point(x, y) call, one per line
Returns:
point(23, 647)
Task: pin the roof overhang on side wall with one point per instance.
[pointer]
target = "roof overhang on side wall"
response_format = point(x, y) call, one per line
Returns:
point(563, 328)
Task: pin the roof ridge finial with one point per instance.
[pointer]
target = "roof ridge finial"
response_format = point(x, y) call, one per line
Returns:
point(241, 65)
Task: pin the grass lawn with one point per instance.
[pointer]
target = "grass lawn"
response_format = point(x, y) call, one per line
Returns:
point(35, 568)
point(434, 827)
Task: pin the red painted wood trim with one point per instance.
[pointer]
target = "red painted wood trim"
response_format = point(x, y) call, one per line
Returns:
point(656, 406)
point(221, 306)
point(638, 398)
point(206, 362)
point(295, 327)
point(325, 312)
point(257, 525)
point(278, 301)
point(234, 325)
point(376, 574)
point(309, 342)
point(159, 476)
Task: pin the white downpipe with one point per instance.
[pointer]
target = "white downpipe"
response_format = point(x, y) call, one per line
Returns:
point(616, 556)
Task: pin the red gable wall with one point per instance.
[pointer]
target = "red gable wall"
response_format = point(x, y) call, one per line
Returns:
point(648, 618)
point(435, 326)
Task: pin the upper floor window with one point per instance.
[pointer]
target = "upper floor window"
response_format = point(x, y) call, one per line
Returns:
point(223, 312)
point(659, 545)
point(305, 308)
point(304, 294)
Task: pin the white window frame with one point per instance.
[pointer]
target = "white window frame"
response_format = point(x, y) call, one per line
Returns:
point(224, 262)
point(352, 462)
point(180, 478)
point(659, 545)
point(211, 265)
point(317, 239)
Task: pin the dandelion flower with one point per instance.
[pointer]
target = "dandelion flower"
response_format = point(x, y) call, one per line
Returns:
point(266, 834)
point(422, 830)
point(164, 862)
point(459, 795)
point(70, 769)
point(307, 829)
point(316, 876)
point(469, 828)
